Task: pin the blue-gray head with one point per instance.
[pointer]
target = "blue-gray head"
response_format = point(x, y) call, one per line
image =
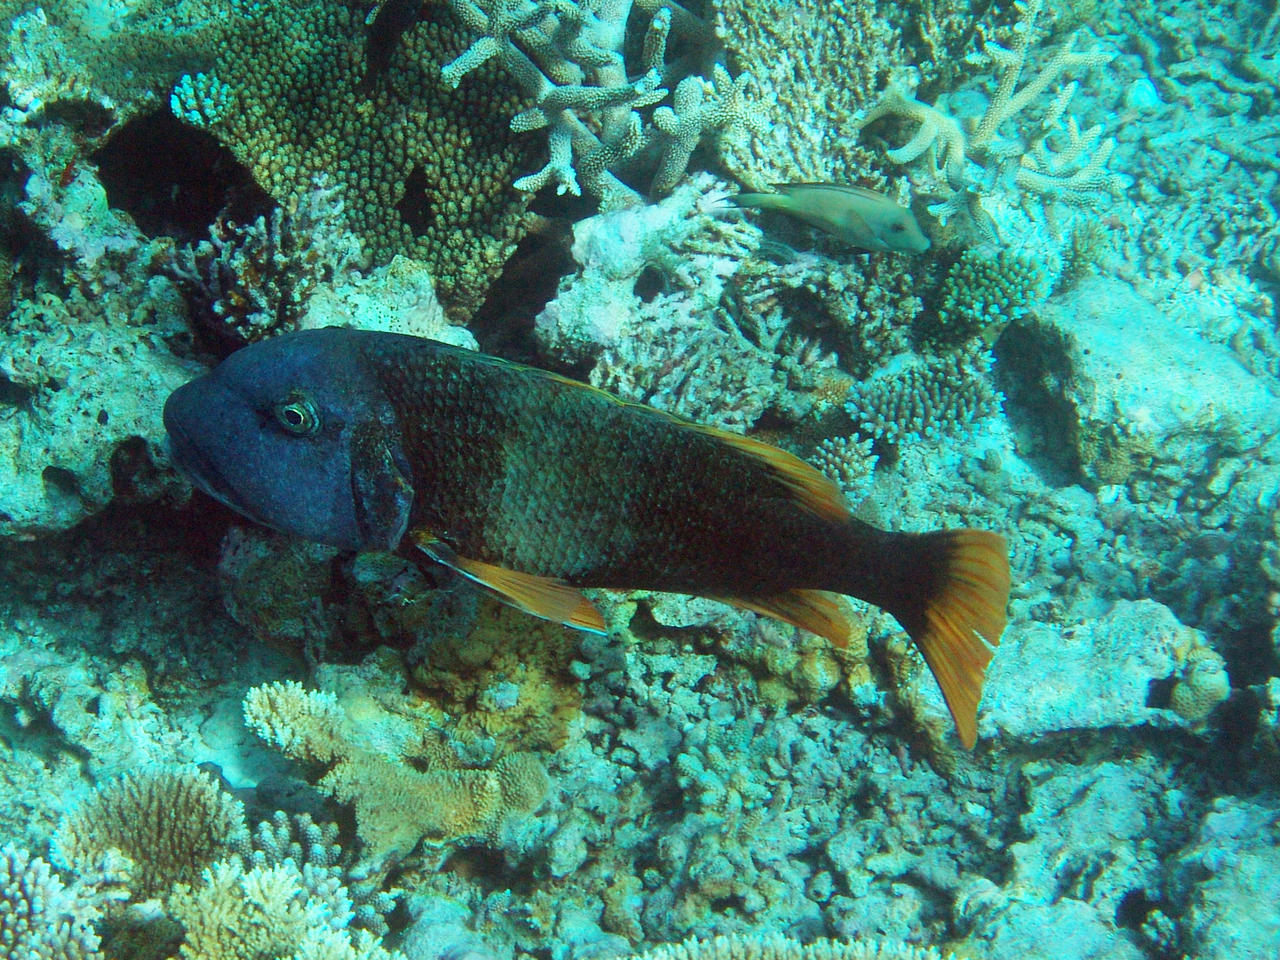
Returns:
point(293, 432)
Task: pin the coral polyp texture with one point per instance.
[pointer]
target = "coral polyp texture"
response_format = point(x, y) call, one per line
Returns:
point(403, 792)
point(420, 168)
point(167, 824)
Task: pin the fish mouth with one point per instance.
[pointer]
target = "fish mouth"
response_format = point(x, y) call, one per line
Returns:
point(195, 463)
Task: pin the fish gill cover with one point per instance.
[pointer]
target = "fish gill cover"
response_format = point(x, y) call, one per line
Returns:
point(221, 742)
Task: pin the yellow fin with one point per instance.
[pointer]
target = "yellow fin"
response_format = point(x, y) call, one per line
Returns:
point(809, 487)
point(543, 597)
point(817, 611)
point(962, 620)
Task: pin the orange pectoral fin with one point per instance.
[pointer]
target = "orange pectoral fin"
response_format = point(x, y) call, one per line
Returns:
point(817, 611)
point(543, 597)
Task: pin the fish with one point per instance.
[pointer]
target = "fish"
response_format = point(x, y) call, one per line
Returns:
point(860, 217)
point(537, 487)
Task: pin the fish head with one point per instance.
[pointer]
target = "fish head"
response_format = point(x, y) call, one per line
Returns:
point(294, 433)
point(895, 228)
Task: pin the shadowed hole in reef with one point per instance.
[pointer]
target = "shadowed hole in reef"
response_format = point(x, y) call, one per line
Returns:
point(174, 179)
point(529, 280)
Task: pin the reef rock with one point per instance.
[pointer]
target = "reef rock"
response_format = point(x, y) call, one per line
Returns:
point(1096, 673)
point(1131, 391)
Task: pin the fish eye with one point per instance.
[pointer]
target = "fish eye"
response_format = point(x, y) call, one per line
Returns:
point(297, 414)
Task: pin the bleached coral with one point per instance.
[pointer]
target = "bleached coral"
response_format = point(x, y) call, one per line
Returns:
point(568, 56)
point(1053, 158)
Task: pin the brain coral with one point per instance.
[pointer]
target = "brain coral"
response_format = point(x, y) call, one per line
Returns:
point(422, 169)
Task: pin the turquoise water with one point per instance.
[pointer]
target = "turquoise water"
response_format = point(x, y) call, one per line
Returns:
point(220, 741)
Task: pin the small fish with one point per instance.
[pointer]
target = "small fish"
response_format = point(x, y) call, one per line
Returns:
point(537, 486)
point(859, 217)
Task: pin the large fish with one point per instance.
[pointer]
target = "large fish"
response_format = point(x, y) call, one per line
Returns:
point(536, 486)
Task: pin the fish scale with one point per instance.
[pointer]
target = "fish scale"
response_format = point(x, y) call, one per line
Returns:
point(535, 486)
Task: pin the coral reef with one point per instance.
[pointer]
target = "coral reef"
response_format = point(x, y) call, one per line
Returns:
point(569, 59)
point(778, 947)
point(981, 295)
point(404, 792)
point(247, 914)
point(168, 824)
point(249, 281)
point(1054, 159)
point(420, 169)
point(907, 402)
point(41, 918)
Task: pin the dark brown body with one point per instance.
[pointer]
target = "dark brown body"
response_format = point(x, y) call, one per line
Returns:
point(536, 485)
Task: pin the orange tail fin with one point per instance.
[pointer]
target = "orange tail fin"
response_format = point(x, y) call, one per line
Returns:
point(957, 619)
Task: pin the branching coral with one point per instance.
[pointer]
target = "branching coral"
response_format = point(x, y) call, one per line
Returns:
point(263, 913)
point(41, 918)
point(568, 56)
point(169, 824)
point(1055, 159)
point(981, 295)
point(913, 401)
point(249, 281)
point(421, 792)
point(421, 169)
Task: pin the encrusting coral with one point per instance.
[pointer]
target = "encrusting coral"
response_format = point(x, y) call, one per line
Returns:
point(421, 169)
point(168, 824)
point(404, 792)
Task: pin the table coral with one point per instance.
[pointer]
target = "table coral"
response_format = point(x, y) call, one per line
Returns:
point(419, 792)
point(421, 169)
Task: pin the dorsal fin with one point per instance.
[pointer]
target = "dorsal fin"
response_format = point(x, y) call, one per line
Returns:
point(808, 486)
point(817, 611)
point(544, 597)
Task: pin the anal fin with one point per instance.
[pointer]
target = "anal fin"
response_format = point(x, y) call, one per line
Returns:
point(817, 611)
point(544, 597)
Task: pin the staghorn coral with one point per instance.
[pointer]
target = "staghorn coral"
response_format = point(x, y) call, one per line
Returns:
point(421, 169)
point(1055, 160)
point(568, 57)
point(168, 824)
point(910, 401)
point(775, 946)
point(41, 918)
point(848, 461)
point(402, 793)
point(248, 281)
